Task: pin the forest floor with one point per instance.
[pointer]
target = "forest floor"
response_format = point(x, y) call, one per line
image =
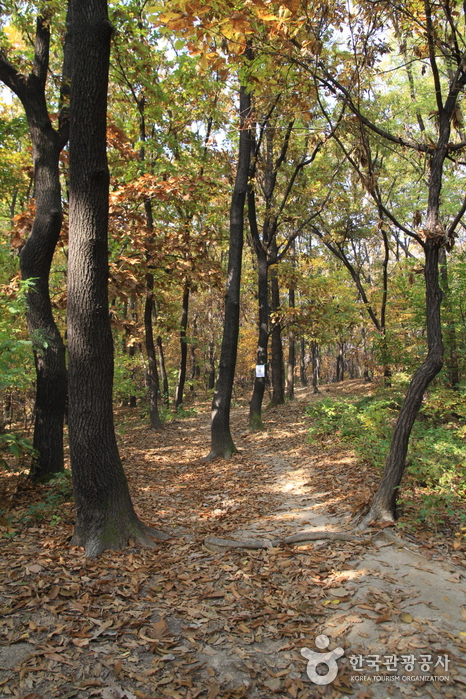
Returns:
point(186, 620)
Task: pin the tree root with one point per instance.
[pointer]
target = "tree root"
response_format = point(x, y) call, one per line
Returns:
point(225, 454)
point(212, 541)
point(157, 534)
point(374, 516)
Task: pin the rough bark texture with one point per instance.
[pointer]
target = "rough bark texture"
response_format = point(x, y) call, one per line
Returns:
point(105, 518)
point(384, 503)
point(37, 253)
point(221, 440)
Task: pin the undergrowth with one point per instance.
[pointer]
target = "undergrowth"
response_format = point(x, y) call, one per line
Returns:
point(435, 487)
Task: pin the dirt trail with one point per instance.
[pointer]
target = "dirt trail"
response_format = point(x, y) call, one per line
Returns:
point(186, 621)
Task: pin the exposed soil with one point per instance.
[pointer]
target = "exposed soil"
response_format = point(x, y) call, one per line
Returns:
point(187, 620)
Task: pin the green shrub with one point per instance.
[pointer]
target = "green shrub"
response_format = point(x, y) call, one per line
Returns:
point(436, 461)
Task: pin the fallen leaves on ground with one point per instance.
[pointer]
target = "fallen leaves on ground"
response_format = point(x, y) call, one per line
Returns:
point(182, 621)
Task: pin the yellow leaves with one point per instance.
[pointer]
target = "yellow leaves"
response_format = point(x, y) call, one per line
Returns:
point(406, 618)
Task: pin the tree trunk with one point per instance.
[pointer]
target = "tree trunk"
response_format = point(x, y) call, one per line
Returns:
point(152, 375)
point(105, 517)
point(49, 351)
point(132, 401)
point(302, 362)
point(278, 383)
point(340, 368)
point(163, 372)
point(183, 347)
point(221, 440)
point(211, 357)
point(195, 369)
point(37, 253)
point(315, 366)
point(452, 356)
point(291, 352)
point(384, 503)
point(255, 405)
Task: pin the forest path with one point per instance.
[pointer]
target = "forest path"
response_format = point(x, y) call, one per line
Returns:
point(185, 621)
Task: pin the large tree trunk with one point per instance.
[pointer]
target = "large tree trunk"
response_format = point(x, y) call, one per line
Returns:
point(278, 378)
point(105, 517)
point(37, 253)
point(221, 440)
point(384, 503)
point(183, 347)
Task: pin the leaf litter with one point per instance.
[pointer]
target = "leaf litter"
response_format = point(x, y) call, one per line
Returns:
point(186, 620)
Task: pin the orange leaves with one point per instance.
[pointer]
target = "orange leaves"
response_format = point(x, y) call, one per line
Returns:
point(152, 187)
point(204, 24)
point(22, 225)
point(117, 139)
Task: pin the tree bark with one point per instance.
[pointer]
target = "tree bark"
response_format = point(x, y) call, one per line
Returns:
point(384, 504)
point(222, 444)
point(183, 347)
point(105, 517)
point(152, 374)
point(278, 378)
point(302, 362)
point(163, 372)
point(452, 355)
point(315, 353)
point(340, 367)
point(255, 405)
point(37, 253)
point(291, 351)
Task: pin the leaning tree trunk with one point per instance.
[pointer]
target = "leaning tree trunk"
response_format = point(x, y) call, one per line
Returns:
point(105, 517)
point(384, 504)
point(221, 440)
point(37, 253)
